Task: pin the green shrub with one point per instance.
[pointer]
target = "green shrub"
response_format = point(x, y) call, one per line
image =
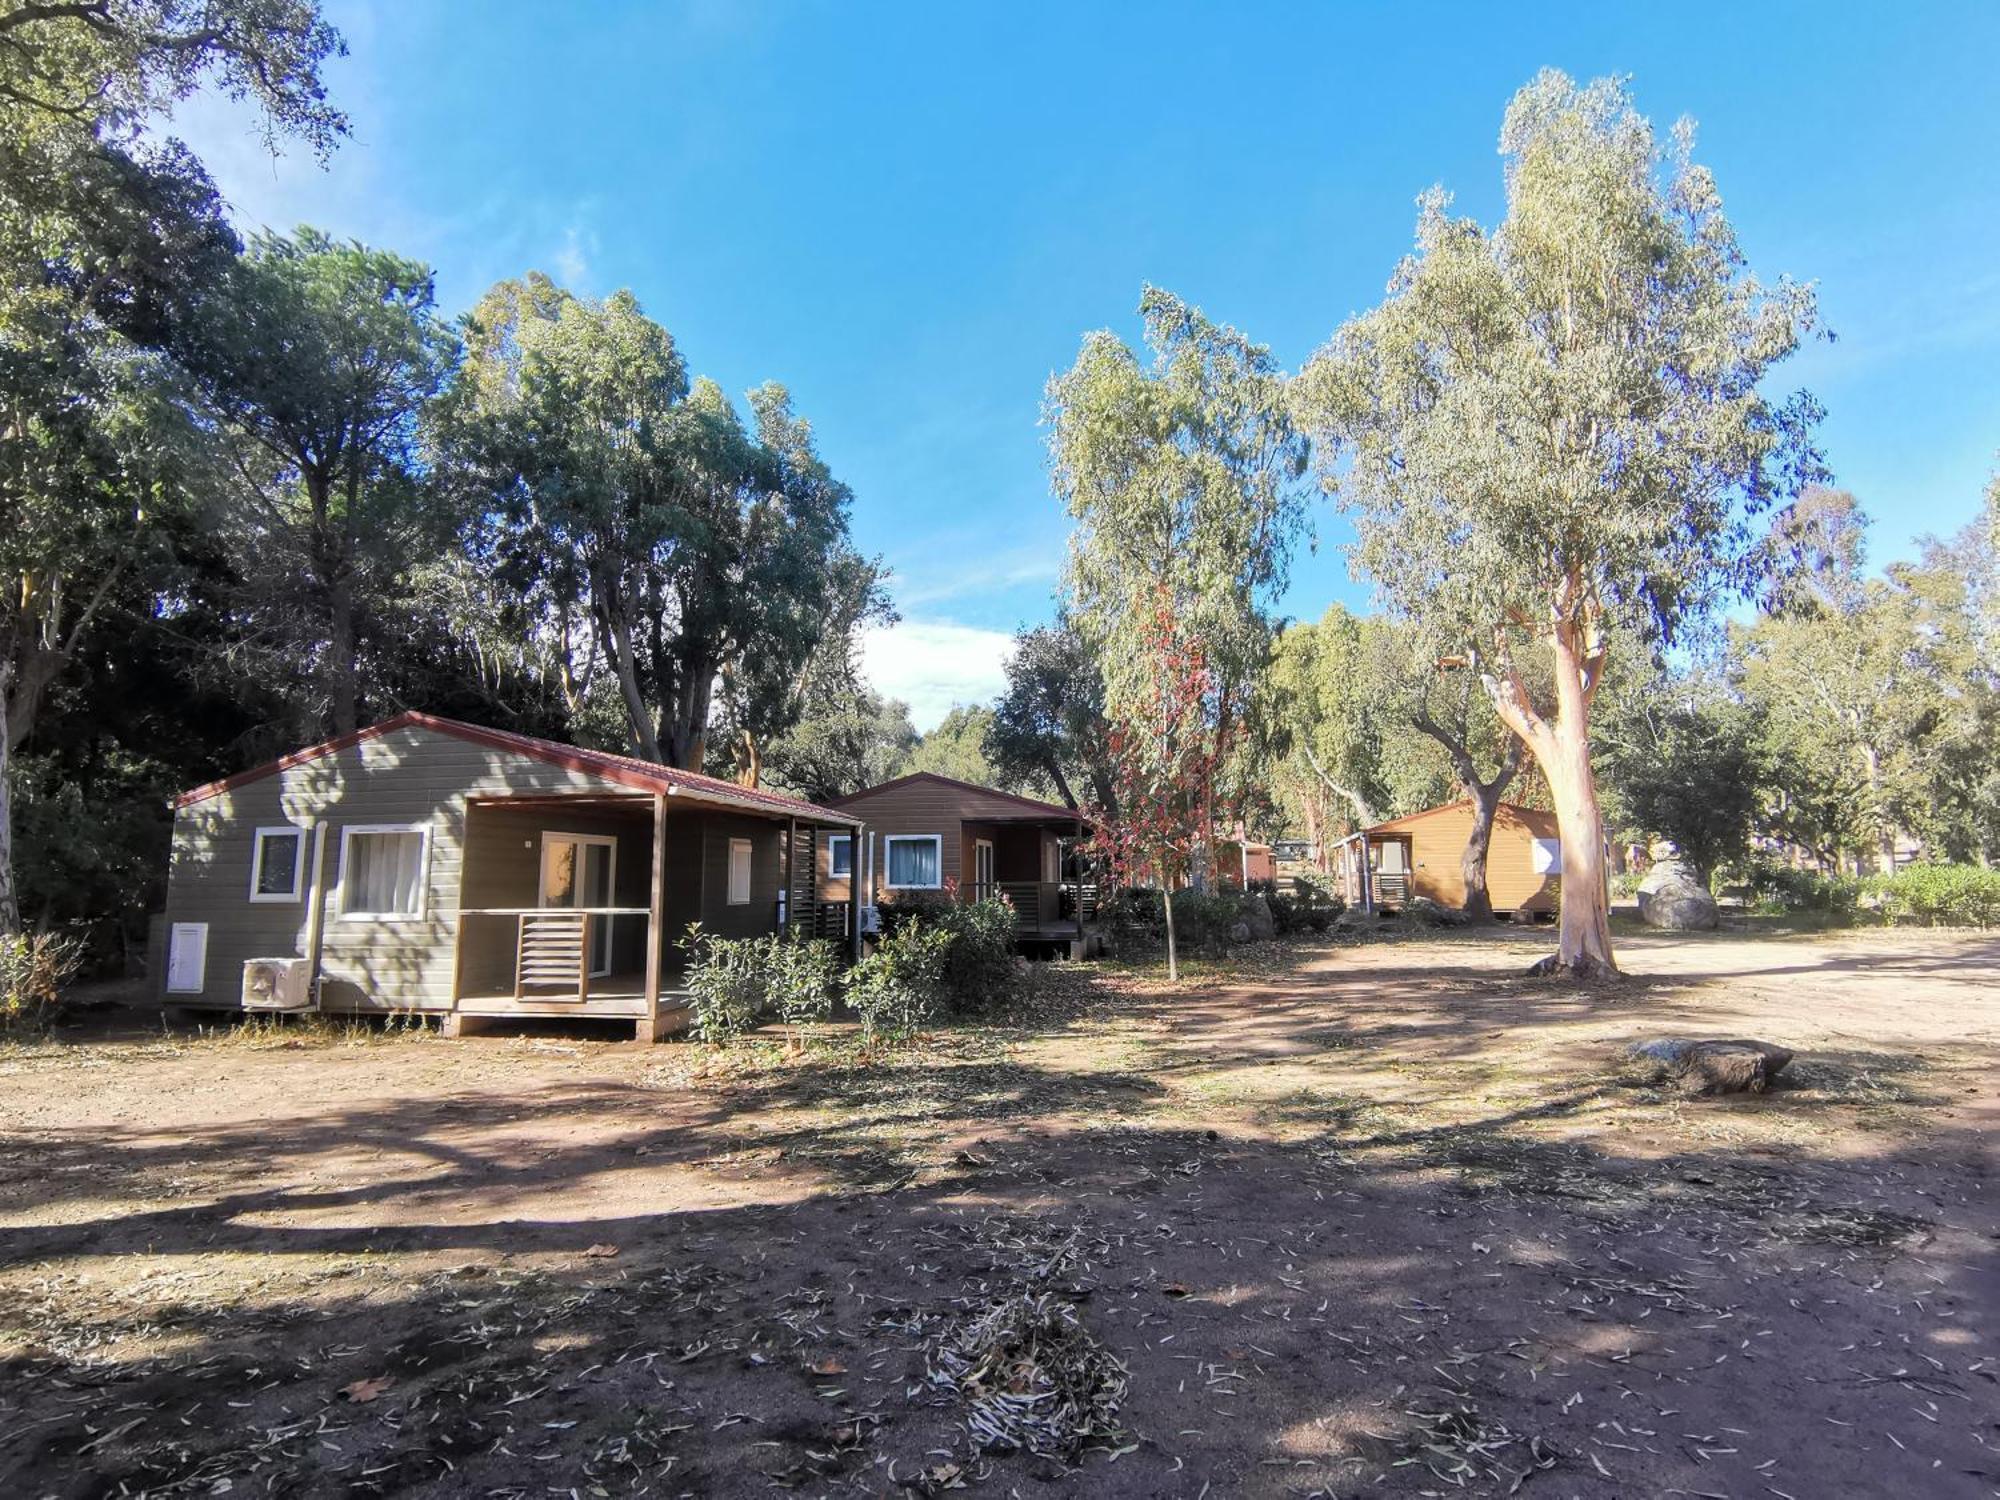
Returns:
point(1940, 896)
point(1625, 884)
point(735, 983)
point(901, 987)
point(1309, 906)
point(34, 969)
point(979, 970)
point(803, 977)
point(1780, 890)
point(903, 907)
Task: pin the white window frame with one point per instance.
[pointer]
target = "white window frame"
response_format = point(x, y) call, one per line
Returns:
point(749, 848)
point(347, 834)
point(297, 892)
point(844, 841)
point(1545, 856)
point(890, 840)
point(199, 936)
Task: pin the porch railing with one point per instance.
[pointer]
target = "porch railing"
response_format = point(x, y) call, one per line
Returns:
point(1391, 888)
point(1040, 905)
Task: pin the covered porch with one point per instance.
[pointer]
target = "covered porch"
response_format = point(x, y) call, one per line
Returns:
point(1375, 869)
point(579, 905)
point(1037, 865)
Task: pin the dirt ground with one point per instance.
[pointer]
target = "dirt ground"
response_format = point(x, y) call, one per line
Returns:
point(1344, 1221)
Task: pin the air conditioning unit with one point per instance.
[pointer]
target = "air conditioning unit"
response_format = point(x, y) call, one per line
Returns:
point(277, 984)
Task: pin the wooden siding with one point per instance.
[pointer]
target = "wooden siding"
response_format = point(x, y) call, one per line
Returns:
point(1437, 847)
point(419, 776)
point(957, 815)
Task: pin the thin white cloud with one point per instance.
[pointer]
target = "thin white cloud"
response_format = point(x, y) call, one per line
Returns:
point(934, 664)
point(572, 257)
point(931, 583)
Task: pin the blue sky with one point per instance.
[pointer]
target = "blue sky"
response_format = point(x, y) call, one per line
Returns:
point(911, 215)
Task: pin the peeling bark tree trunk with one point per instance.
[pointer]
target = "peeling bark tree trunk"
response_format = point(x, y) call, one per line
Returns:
point(1562, 749)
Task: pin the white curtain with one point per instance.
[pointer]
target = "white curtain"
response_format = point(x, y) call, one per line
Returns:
point(913, 862)
point(383, 870)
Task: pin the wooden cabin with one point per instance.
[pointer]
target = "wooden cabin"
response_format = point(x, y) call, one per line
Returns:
point(1423, 855)
point(925, 832)
point(444, 869)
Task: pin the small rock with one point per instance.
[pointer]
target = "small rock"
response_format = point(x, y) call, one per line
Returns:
point(1735, 1066)
point(1239, 932)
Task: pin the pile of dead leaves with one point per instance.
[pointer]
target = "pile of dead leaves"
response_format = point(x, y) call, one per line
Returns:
point(1030, 1376)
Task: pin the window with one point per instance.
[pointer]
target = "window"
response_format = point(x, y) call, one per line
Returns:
point(913, 861)
point(739, 872)
point(1548, 857)
point(840, 856)
point(274, 863)
point(382, 870)
point(187, 958)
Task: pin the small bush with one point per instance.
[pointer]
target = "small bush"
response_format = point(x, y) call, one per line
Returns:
point(1780, 890)
point(901, 987)
point(726, 984)
point(803, 977)
point(1940, 896)
point(979, 970)
point(735, 983)
point(903, 907)
point(34, 969)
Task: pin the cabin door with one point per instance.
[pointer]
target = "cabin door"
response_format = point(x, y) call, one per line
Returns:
point(579, 870)
point(982, 869)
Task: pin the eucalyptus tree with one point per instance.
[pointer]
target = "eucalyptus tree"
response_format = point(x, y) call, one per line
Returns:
point(1048, 726)
point(320, 357)
point(660, 538)
point(1186, 481)
point(1557, 430)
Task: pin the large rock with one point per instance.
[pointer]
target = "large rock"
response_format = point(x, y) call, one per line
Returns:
point(1734, 1066)
point(1256, 915)
point(1670, 896)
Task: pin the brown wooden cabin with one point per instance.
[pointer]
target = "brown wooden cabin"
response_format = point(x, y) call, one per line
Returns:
point(1422, 855)
point(926, 832)
point(430, 867)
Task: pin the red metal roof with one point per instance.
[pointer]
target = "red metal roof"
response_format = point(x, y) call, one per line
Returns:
point(622, 769)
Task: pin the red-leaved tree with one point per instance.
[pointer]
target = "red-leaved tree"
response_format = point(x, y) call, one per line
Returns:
point(1169, 746)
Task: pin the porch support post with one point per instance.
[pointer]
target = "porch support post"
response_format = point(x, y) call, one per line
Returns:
point(656, 918)
point(857, 892)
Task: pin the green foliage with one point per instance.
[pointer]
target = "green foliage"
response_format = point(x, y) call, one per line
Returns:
point(957, 748)
point(1049, 723)
point(980, 968)
point(734, 984)
point(1306, 906)
point(1684, 761)
point(34, 969)
point(1184, 478)
point(1941, 896)
point(937, 957)
point(902, 987)
point(1780, 890)
point(664, 539)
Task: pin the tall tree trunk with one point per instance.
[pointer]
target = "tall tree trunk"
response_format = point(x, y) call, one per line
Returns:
point(1167, 902)
point(10, 904)
point(341, 654)
point(1485, 798)
point(1478, 903)
point(753, 760)
point(1562, 749)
